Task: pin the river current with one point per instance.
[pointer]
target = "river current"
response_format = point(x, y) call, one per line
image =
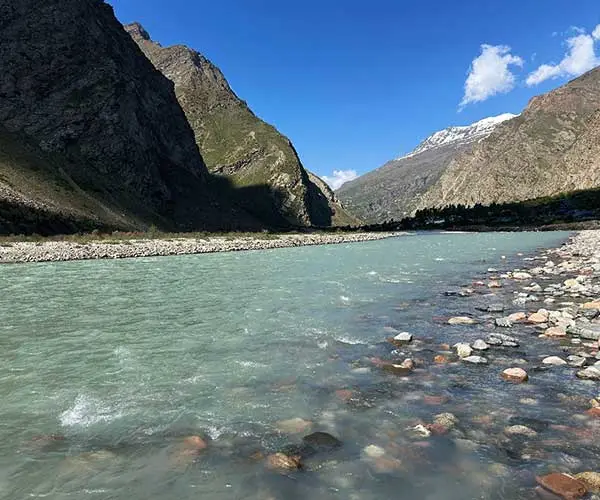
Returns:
point(107, 366)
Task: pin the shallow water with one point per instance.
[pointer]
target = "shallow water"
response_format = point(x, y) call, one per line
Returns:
point(123, 359)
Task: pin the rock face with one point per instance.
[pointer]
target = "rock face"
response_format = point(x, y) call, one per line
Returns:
point(91, 135)
point(552, 147)
point(238, 145)
point(394, 190)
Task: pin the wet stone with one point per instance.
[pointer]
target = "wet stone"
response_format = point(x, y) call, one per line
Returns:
point(480, 345)
point(476, 360)
point(503, 322)
point(517, 375)
point(591, 373)
point(563, 485)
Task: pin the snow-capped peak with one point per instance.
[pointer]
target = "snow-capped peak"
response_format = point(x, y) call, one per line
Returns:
point(466, 134)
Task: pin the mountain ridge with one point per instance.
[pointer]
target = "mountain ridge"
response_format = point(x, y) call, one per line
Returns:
point(237, 144)
point(394, 190)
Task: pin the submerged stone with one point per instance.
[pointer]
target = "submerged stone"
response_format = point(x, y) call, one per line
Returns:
point(564, 485)
point(461, 320)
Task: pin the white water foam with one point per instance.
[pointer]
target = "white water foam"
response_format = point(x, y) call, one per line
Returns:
point(350, 341)
point(87, 411)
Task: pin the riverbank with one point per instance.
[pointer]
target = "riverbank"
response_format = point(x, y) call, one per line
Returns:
point(57, 250)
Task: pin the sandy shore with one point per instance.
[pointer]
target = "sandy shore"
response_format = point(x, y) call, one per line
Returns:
point(55, 251)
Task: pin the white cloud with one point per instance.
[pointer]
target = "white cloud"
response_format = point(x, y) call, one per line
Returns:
point(580, 57)
point(339, 178)
point(490, 74)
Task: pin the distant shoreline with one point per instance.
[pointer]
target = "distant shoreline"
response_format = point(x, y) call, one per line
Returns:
point(19, 252)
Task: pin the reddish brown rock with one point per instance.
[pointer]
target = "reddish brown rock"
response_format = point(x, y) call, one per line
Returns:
point(516, 375)
point(283, 463)
point(555, 332)
point(437, 429)
point(344, 394)
point(435, 400)
point(441, 359)
point(593, 412)
point(563, 485)
point(518, 316)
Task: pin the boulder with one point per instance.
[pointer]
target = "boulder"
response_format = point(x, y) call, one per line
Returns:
point(321, 442)
point(517, 375)
point(563, 485)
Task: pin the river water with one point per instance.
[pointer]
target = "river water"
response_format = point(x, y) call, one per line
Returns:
point(106, 367)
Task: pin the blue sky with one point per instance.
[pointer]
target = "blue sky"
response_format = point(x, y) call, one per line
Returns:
point(355, 83)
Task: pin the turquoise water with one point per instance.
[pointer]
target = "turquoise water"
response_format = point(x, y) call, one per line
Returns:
point(120, 360)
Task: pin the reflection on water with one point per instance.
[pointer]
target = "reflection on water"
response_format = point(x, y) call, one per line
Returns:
point(183, 377)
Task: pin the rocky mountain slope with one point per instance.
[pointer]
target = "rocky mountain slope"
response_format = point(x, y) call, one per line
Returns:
point(394, 191)
point(91, 135)
point(552, 147)
point(236, 144)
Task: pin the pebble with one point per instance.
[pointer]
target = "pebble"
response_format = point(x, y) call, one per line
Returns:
point(590, 373)
point(463, 350)
point(521, 276)
point(461, 320)
point(503, 322)
point(54, 251)
point(373, 451)
point(520, 430)
point(476, 360)
point(591, 480)
point(554, 361)
point(404, 337)
point(480, 345)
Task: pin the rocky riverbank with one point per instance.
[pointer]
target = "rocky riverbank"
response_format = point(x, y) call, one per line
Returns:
point(536, 328)
point(54, 251)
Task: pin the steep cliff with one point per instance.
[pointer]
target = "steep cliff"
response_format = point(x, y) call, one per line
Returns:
point(90, 132)
point(235, 143)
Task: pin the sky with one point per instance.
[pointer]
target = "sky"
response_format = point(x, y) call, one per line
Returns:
point(355, 83)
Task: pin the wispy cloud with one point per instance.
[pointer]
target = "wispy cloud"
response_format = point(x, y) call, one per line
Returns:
point(490, 74)
point(339, 178)
point(579, 58)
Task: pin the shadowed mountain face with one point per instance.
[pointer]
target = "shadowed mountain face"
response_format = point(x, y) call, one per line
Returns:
point(394, 191)
point(553, 147)
point(91, 135)
point(235, 143)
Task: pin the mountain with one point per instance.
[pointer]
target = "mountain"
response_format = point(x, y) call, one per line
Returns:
point(235, 143)
point(394, 190)
point(551, 148)
point(91, 135)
